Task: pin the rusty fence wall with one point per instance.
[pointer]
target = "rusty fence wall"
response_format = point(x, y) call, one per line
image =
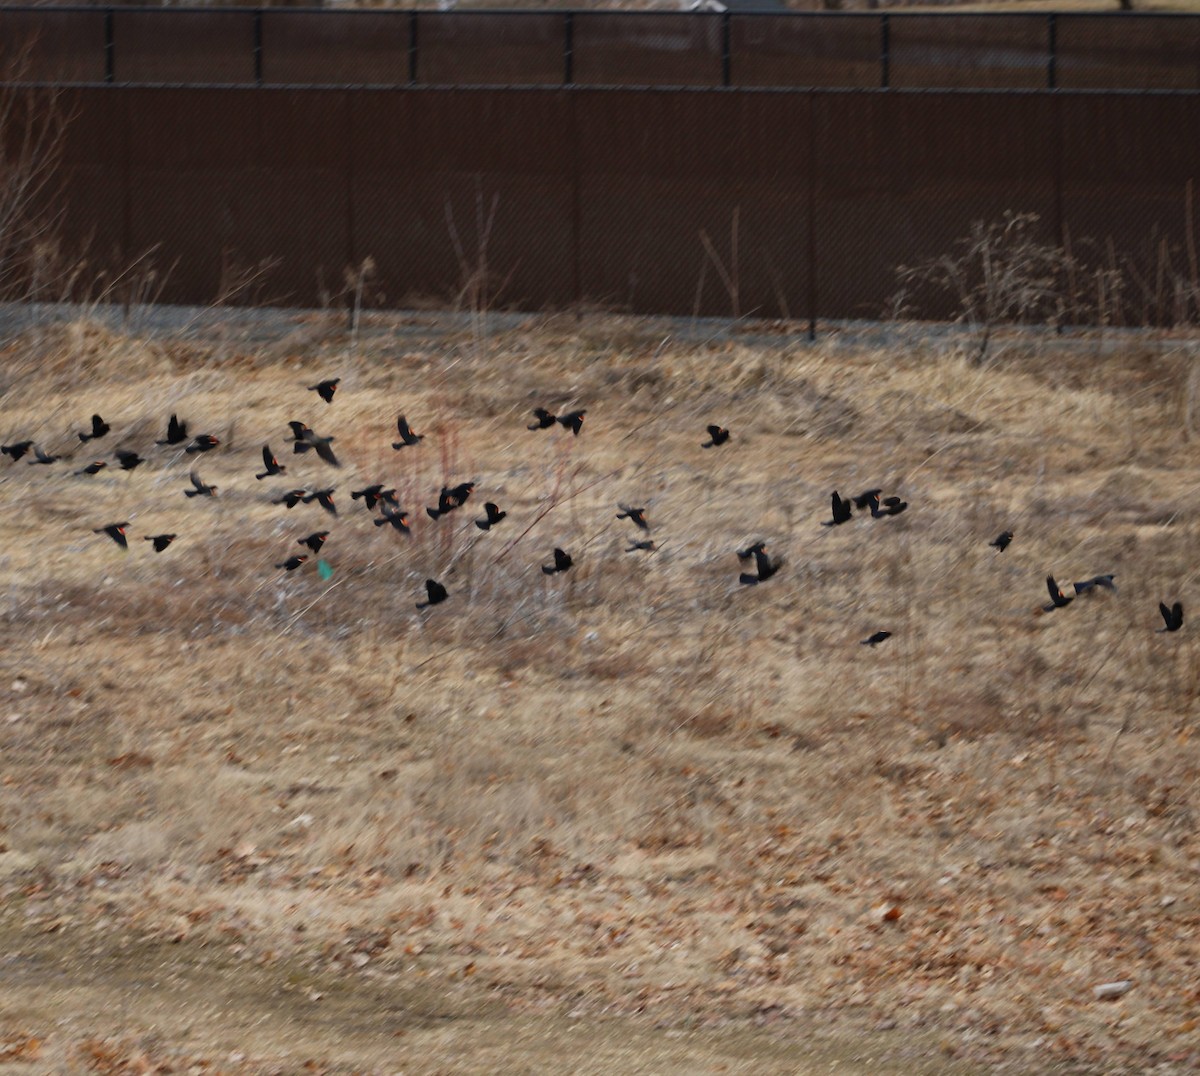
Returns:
point(797, 203)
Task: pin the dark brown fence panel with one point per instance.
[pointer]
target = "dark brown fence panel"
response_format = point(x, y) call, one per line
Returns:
point(635, 49)
point(52, 46)
point(677, 191)
point(1128, 177)
point(465, 197)
point(987, 51)
point(221, 180)
point(360, 47)
point(1138, 51)
point(183, 46)
point(490, 49)
point(822, 50)
point(903, 176)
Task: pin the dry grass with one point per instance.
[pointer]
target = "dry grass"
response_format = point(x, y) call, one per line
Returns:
point(638, 788)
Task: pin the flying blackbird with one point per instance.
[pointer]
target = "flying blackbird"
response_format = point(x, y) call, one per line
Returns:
point(161, 541)
point(764, 566)
point(892, 506)
point(325, 389)
point(202, 442)
point(99, 429)
point(1002, 541)
point(544, 419)
point(202, 489)
point(749, 551)
point(116, 531)
point(176, 432)
point(562, 562)
point(398, 519)
point(877, 638)
point(42, 457)
point(407, 435)
point(271, 464)
point(841, 512)
point(372, 495)
point(306, 439)
point(314, 541)
point(717, 435)
point(1172, 617)
point(323, 497)
point(95, 467)
point(647, 546)
point(437, 593)
point(299, 437)
point(18, 450)
point(636, 516)
point(1103, 581)
point(450, 499)
point(1057, 598)
point(292, 563)
point(292, 498)
point(127, 460)
point(494, 515)
point(573, 421)
point(865, 499)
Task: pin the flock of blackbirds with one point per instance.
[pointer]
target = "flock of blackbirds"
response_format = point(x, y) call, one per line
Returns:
point(451, 498)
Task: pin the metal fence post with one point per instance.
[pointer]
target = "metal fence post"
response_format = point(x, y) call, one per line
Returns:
point(1052, 51)
point(412, 46)
point(258, 57)
point(885, 53)
point(726, 50)
point(109, 47)
point(568, 48)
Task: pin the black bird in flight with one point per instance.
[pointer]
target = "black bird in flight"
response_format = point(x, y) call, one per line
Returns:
point(18, 450)
point(494, 515)
point(1057, 598)
point(573, 421)
point(323, 497)
point(764, 566)
point(395, 517)
point(372, 495)
point(325, 389)
point(42, 457)
point(304, 438)
point(562, 562)
point(892, 506)
point(99, 429)
point(544, 419)
point(176, 432)
point(841, 512)
point(292, 563)
point(436, 593)
point(127, 460)
point(314, 541)
point(161, 541)
point(877, 638)
point(1105, 582)
point(717, 435)
point(408, 436)
point(116, 531)
point(1173, 617)
point(865, 499)
point(451, 498)
point(202, 488)
point(636, 516)
point(95, 467)
point(291, 498)
point(1001, 541)
point(647, 546)
point(750, 550)
point(202, 442)
point(271, 464)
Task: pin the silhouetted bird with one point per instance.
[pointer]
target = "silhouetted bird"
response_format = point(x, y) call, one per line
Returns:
point(562, 562)
point(636, 516)
point(18, 450)
point(116, 531)
point(1105, 582)
point(325, 389)
point(717, 435)
point(573, 421)
point(299, 437)
point(42, 457)
point(323, 497)
point(292, 563)
point(314, 541)
point(892, 506)
point(544, 419)
point(647, 546)
point(841, 512)
point(877, 638)
point(436, 592)
point(161, 541)
point(371, 495)
point(304, 438)
point(176, 432)
point(750, 550)
point(95, 467)
point(202, 489)
point(292, 498)
point(864, 499)
point(407, 435)
point(127, 460)
point(1173, 617)
point(764, 566)
point(1057, 598)
point(271, 464)
point(202, 442)
point(494, 515)
point(1001, 541)
point(450, 499)
point(393, 516)
point(99, 429)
